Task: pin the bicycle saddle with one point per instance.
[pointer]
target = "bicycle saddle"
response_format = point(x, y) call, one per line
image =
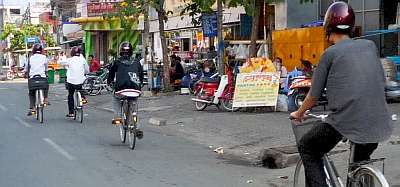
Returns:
point(128, 93)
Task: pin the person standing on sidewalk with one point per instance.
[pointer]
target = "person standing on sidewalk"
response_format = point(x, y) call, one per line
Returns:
point(76, 70)
point(353, 76)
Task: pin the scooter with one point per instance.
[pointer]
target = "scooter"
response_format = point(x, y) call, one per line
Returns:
point(298, 91)
point(15, 72)
point(392, 90)
point(215, 91)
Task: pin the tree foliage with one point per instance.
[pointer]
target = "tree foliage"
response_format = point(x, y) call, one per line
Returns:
point(17, 34)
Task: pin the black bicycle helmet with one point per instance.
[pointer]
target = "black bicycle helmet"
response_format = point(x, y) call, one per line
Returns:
point(339, 18)
point(37, 49)
point(126, 49)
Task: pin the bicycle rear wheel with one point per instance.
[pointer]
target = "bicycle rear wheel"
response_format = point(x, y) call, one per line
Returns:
point(122, 127)
point(131, 126)
point(369, 177)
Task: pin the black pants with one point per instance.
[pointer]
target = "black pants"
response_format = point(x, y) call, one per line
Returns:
point(32, 97)
point(319, 141)
point(71, 91)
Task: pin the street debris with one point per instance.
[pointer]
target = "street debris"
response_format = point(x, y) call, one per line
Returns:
point(249, 181)
point(210, 146)
point(219, 150)
point(394, 117)
point(283, 177)
point(246, 153)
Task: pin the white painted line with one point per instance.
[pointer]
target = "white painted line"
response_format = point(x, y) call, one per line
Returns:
point(59, 149)
point(23, 122)
point(3, 108)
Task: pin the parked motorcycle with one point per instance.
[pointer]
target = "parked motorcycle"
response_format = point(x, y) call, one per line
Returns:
point(392, 90)
point(15, 72)
point(298, 90)
point(216, 91)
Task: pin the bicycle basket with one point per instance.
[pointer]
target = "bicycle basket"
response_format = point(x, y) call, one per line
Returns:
point(300, 129)
point(37, 83)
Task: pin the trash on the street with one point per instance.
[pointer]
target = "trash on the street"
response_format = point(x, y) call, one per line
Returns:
point(210, 146)
point(283, 177)
point(246, 153)
point(394, 117)
point(249, 181)
point(219, 150)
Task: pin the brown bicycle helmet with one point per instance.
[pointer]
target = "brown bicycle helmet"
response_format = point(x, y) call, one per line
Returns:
point(37, 49)
point(339, 18)
point(75, 51)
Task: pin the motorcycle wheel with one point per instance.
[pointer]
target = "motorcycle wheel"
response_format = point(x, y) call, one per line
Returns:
point(227, 104)
point(10, 75)
point(299, 97)
point(200, 106)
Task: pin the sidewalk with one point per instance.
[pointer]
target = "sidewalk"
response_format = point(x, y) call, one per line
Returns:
point(243, 136)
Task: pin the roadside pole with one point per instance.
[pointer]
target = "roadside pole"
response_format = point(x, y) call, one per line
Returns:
point(221, 47)
point(1, 32)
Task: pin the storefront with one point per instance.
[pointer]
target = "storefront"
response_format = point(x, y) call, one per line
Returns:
point(103, 37)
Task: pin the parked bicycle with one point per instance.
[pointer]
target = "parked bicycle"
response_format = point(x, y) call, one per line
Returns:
point(129, 121)
point(359, 174)
point(94, 84)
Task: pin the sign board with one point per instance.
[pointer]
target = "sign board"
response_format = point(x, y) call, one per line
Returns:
point(245, 25)
point(100, 8)
point(32, 40)
point(209, 22)
point(256, 89)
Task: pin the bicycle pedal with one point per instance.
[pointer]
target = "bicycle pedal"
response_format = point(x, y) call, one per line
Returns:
point(117, 122)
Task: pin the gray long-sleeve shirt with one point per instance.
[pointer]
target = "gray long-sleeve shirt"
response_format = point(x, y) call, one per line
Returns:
point(353, 75)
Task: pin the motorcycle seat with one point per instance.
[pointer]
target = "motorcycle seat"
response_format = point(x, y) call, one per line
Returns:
point(209, 80)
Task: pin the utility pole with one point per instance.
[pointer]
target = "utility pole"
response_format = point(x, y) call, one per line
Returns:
point(1, 32)
point(221, 48)
point(146, 50)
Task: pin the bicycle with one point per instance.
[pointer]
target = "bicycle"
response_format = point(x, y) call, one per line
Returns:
point(93, 84)
point(359, 174)
point(39, 104)
point(129, 121)
point(78, 106)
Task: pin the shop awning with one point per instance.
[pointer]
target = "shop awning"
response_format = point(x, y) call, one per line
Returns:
point(101, 24)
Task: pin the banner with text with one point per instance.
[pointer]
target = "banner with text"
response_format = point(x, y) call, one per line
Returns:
point(256, 89)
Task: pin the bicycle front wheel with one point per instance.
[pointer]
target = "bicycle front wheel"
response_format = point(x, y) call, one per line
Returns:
point(299, 179)
point(367, 176)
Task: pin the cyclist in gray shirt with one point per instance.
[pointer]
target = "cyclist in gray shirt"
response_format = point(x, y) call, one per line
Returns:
point(352, 73)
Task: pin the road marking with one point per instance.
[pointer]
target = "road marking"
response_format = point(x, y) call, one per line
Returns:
point(3, 108)
point(23, 122)
point(59, 149)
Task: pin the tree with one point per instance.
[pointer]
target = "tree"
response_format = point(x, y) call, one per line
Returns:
point(134, 8)
point(17, 35)
point(196, 7)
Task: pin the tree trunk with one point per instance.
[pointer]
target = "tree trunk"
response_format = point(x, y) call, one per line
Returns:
point(254, 28)
point(166, 66)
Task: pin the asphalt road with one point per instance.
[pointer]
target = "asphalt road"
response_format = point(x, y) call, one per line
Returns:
point(62, 152)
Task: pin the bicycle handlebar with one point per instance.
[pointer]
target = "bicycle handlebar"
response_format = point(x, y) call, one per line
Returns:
point(321, 117)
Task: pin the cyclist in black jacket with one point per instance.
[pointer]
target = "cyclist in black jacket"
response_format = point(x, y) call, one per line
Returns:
point(128, 74)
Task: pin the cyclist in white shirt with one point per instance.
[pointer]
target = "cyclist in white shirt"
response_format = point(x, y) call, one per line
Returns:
point(76, 70)
point(36, 67)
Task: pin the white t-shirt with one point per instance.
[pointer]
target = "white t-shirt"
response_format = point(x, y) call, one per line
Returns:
point(38, 65)
point(76, 69)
